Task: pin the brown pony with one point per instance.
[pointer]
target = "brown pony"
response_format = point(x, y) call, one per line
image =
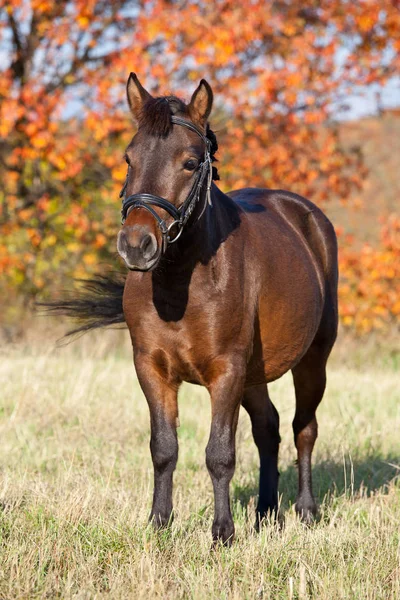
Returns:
point(228, 291)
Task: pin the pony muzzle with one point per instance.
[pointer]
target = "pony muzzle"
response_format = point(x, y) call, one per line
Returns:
point(138, 247)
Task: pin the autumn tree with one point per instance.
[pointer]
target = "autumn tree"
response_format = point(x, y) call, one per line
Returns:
point(281, 72)
point(370, 281)
point(53, 177)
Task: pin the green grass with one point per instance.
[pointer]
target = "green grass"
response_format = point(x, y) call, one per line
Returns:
point(76, 485)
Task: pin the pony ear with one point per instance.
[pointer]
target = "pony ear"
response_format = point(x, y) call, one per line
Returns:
point(136, 95)
point(201, 103)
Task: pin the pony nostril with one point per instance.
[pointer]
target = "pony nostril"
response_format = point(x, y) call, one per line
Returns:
point(148, 246)
point(122, 242)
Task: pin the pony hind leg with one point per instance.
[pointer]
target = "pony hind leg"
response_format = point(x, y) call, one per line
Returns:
point(309, 377)
point(265, 426)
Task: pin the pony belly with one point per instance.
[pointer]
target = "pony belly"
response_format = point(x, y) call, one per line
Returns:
point(281, 338)
point(273, 362)
point(264, 370)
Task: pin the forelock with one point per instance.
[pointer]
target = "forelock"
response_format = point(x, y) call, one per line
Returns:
point(155, 118)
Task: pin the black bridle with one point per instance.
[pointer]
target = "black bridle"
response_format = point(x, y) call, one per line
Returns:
point(181, 214)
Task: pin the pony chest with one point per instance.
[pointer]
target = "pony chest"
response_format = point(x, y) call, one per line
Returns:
point(187, 351)
point(176, 360)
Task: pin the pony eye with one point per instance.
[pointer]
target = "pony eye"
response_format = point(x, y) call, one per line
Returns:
point(190, 165)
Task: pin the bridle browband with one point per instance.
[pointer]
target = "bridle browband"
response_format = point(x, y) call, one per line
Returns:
point(182, 214)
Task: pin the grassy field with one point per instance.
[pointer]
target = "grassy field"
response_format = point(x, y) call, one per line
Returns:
point(76, 483)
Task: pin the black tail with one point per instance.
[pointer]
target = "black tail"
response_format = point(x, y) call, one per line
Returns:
point(98, 304)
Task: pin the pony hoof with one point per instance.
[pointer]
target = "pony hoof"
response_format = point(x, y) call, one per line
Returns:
point(270, 515)
point(159, 521)
point(307, 511)
point(223, 534)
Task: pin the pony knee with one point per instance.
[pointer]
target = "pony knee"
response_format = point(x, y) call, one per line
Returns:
point(164, 452)
point(220, 458)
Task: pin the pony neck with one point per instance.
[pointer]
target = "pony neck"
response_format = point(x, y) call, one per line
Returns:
point(209, 227)
point(198, 245)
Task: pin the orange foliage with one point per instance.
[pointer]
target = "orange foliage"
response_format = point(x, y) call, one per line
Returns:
point(277, 77)
point(370, 281)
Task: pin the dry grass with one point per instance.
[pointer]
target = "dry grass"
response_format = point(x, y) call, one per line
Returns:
point(76, 481)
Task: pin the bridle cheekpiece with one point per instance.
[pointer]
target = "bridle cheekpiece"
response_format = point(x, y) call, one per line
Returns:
point(181, 214)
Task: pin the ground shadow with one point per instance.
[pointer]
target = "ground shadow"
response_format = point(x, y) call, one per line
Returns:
point(331, 478)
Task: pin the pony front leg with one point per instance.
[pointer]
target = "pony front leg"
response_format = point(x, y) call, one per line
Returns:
point(161, 397)
point(226, 390)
